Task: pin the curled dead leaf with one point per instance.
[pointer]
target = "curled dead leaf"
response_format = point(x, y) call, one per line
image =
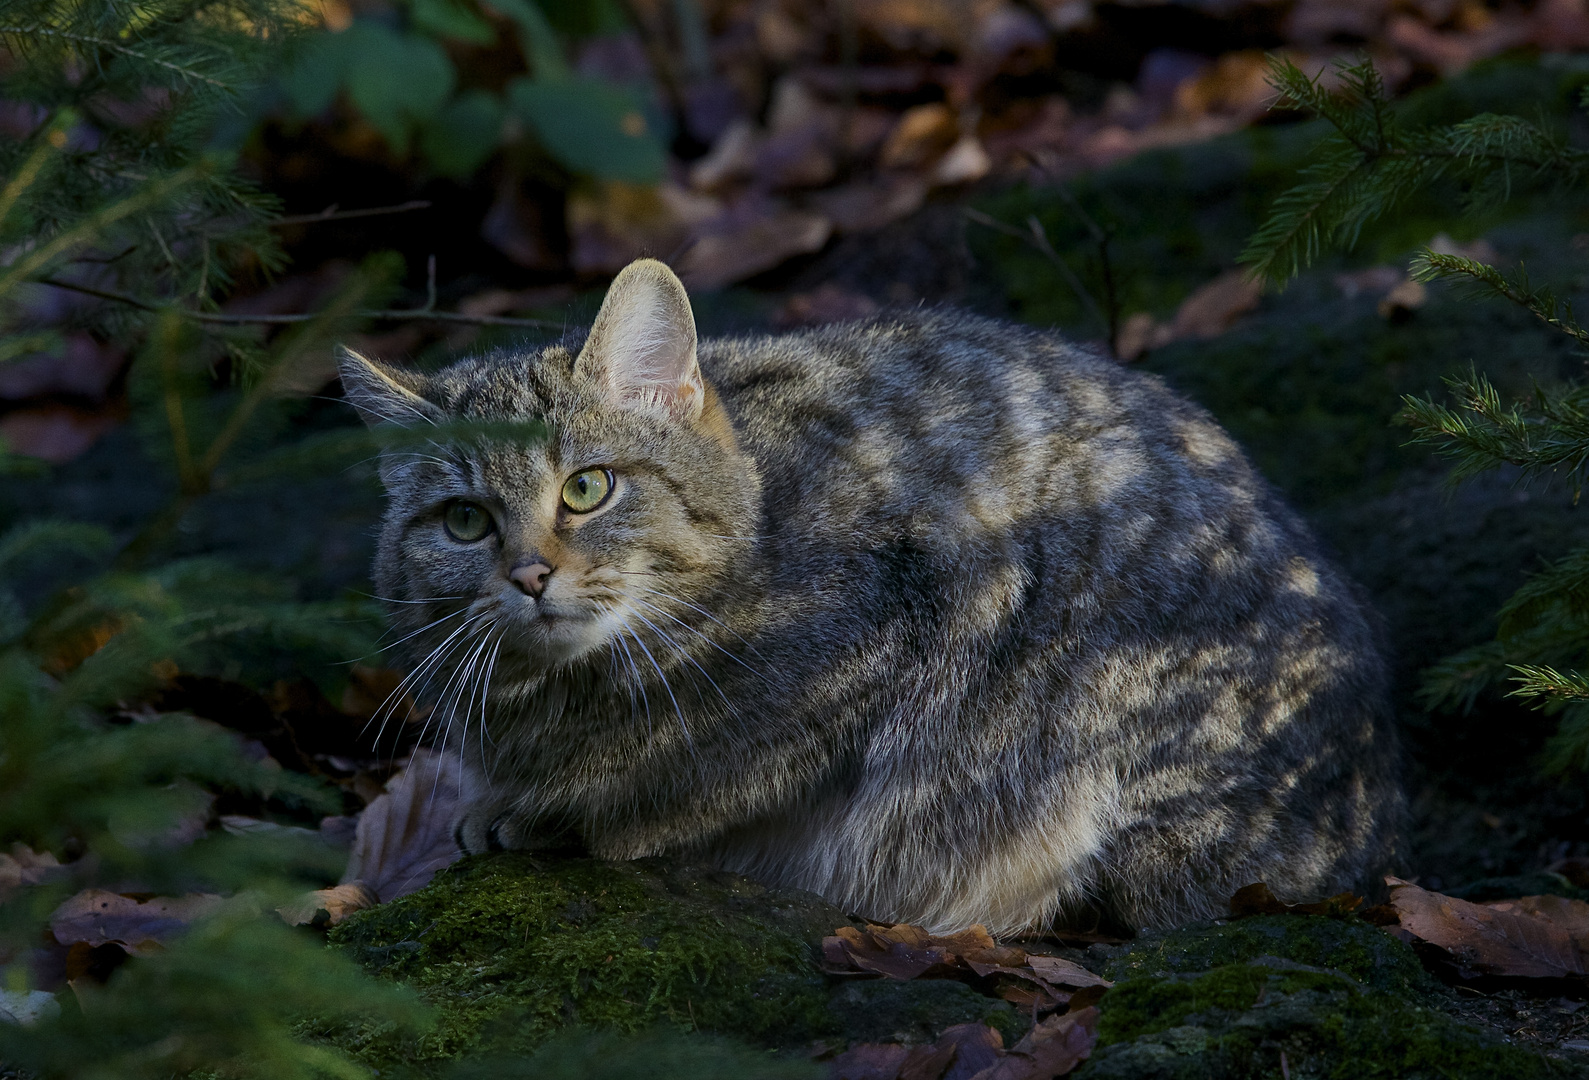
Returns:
point(405, 836)
point(97, 917)
point(1510, 938)
point(327, 907)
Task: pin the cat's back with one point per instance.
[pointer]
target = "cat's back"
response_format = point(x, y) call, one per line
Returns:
point(949, 430)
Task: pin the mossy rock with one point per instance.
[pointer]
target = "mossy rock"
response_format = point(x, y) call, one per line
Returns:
point(1239, 1021)
point(1351, 946)
point(884, 1010)
point(509, 949)
point(1338, 997)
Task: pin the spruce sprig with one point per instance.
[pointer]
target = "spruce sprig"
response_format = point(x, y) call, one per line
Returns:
point(1371, 164)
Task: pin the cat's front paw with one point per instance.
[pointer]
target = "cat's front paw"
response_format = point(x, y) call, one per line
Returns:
point(497, 827)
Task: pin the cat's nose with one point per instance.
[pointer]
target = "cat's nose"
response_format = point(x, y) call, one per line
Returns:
point(531, 577)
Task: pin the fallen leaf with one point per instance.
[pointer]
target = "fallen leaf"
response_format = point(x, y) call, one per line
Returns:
point(922, 134)
point(1052, 1048)
point(865, 206)
point(976, 1047)
point(899, 952)
point(1484, 940)
point(55, 433)
point(869, 1061)
point(965, 162)
point(1211, 309)
point(24, 866)
point(327, 907)
point(1572, 916)
point(1258, 899)
point(1374, 279)
point(741, 246)
point(405, 836)
point(83, 368)
point(827, 304)
point(27, 1007)
point(1058, 971)
point(97, 917)
point(1403, 300)
point(732, 157)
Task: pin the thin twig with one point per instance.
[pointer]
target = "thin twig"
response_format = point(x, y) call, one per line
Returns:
point(331, 213)
point(228, 319)
point(1035, 235)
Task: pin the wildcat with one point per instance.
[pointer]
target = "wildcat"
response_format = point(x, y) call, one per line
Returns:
point(943, 619)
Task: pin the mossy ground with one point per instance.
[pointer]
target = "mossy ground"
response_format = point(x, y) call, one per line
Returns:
point(508, 950)
point(1338, 997)
point(571, 967)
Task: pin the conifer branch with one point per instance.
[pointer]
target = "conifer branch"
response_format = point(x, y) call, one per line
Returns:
point(1482, 434)
point(114, 46)
point(94, 224)
point(1541, 302)
point(222, 318)
point(1539, 681)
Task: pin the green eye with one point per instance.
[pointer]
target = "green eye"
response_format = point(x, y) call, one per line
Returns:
point(587, 490)
point(467, 522)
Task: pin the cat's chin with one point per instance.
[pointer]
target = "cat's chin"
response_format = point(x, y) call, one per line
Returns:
point(552, 641)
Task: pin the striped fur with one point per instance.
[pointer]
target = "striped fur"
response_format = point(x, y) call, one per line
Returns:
point(941, 618)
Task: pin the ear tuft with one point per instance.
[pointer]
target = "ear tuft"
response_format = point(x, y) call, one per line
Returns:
point(383, 394)
point(641, 348)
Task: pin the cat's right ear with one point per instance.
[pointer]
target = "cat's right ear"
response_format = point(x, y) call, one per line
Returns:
point(382, 394)
point(641, 348)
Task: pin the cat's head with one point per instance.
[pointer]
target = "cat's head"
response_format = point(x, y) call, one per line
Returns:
point(619, 523)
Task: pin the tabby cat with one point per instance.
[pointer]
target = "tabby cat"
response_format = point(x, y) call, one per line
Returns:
point(944, 619)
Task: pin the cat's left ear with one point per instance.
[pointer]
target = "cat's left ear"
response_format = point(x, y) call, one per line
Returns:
point(641, 348)
point(384, 394)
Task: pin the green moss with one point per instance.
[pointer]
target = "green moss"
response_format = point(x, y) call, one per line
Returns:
point(1358, 949)
point(914, 1012)
point(509, 949)
point(1237, 1020)
point(661, 1054)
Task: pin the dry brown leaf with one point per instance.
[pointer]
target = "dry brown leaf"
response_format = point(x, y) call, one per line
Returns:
point(748, 243)
point(1053, 1048)
point(405, 836)
point(1258, 899)
point(899, 952)
point(1485, 940)
point(869, 1061)
point(922, 134)
point(1058, 971)
point(97, 917)
point(965, 162)
point(1211, 309)
point(24, 866)
point(828, 303)
point(1571, 916)
point(1403, 300)
point(865, 205)
point(977, 1046)
point(56, 433)
point(327, 907)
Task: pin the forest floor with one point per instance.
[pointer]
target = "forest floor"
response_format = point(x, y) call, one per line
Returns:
point(1309, 380)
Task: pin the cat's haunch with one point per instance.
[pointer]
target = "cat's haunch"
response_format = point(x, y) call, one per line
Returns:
point(944, 619)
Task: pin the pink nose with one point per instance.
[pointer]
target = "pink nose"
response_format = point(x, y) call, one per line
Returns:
point(531, 579)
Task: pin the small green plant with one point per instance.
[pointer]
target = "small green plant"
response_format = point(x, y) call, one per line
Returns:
point(1368, 167)
point(401, 75)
